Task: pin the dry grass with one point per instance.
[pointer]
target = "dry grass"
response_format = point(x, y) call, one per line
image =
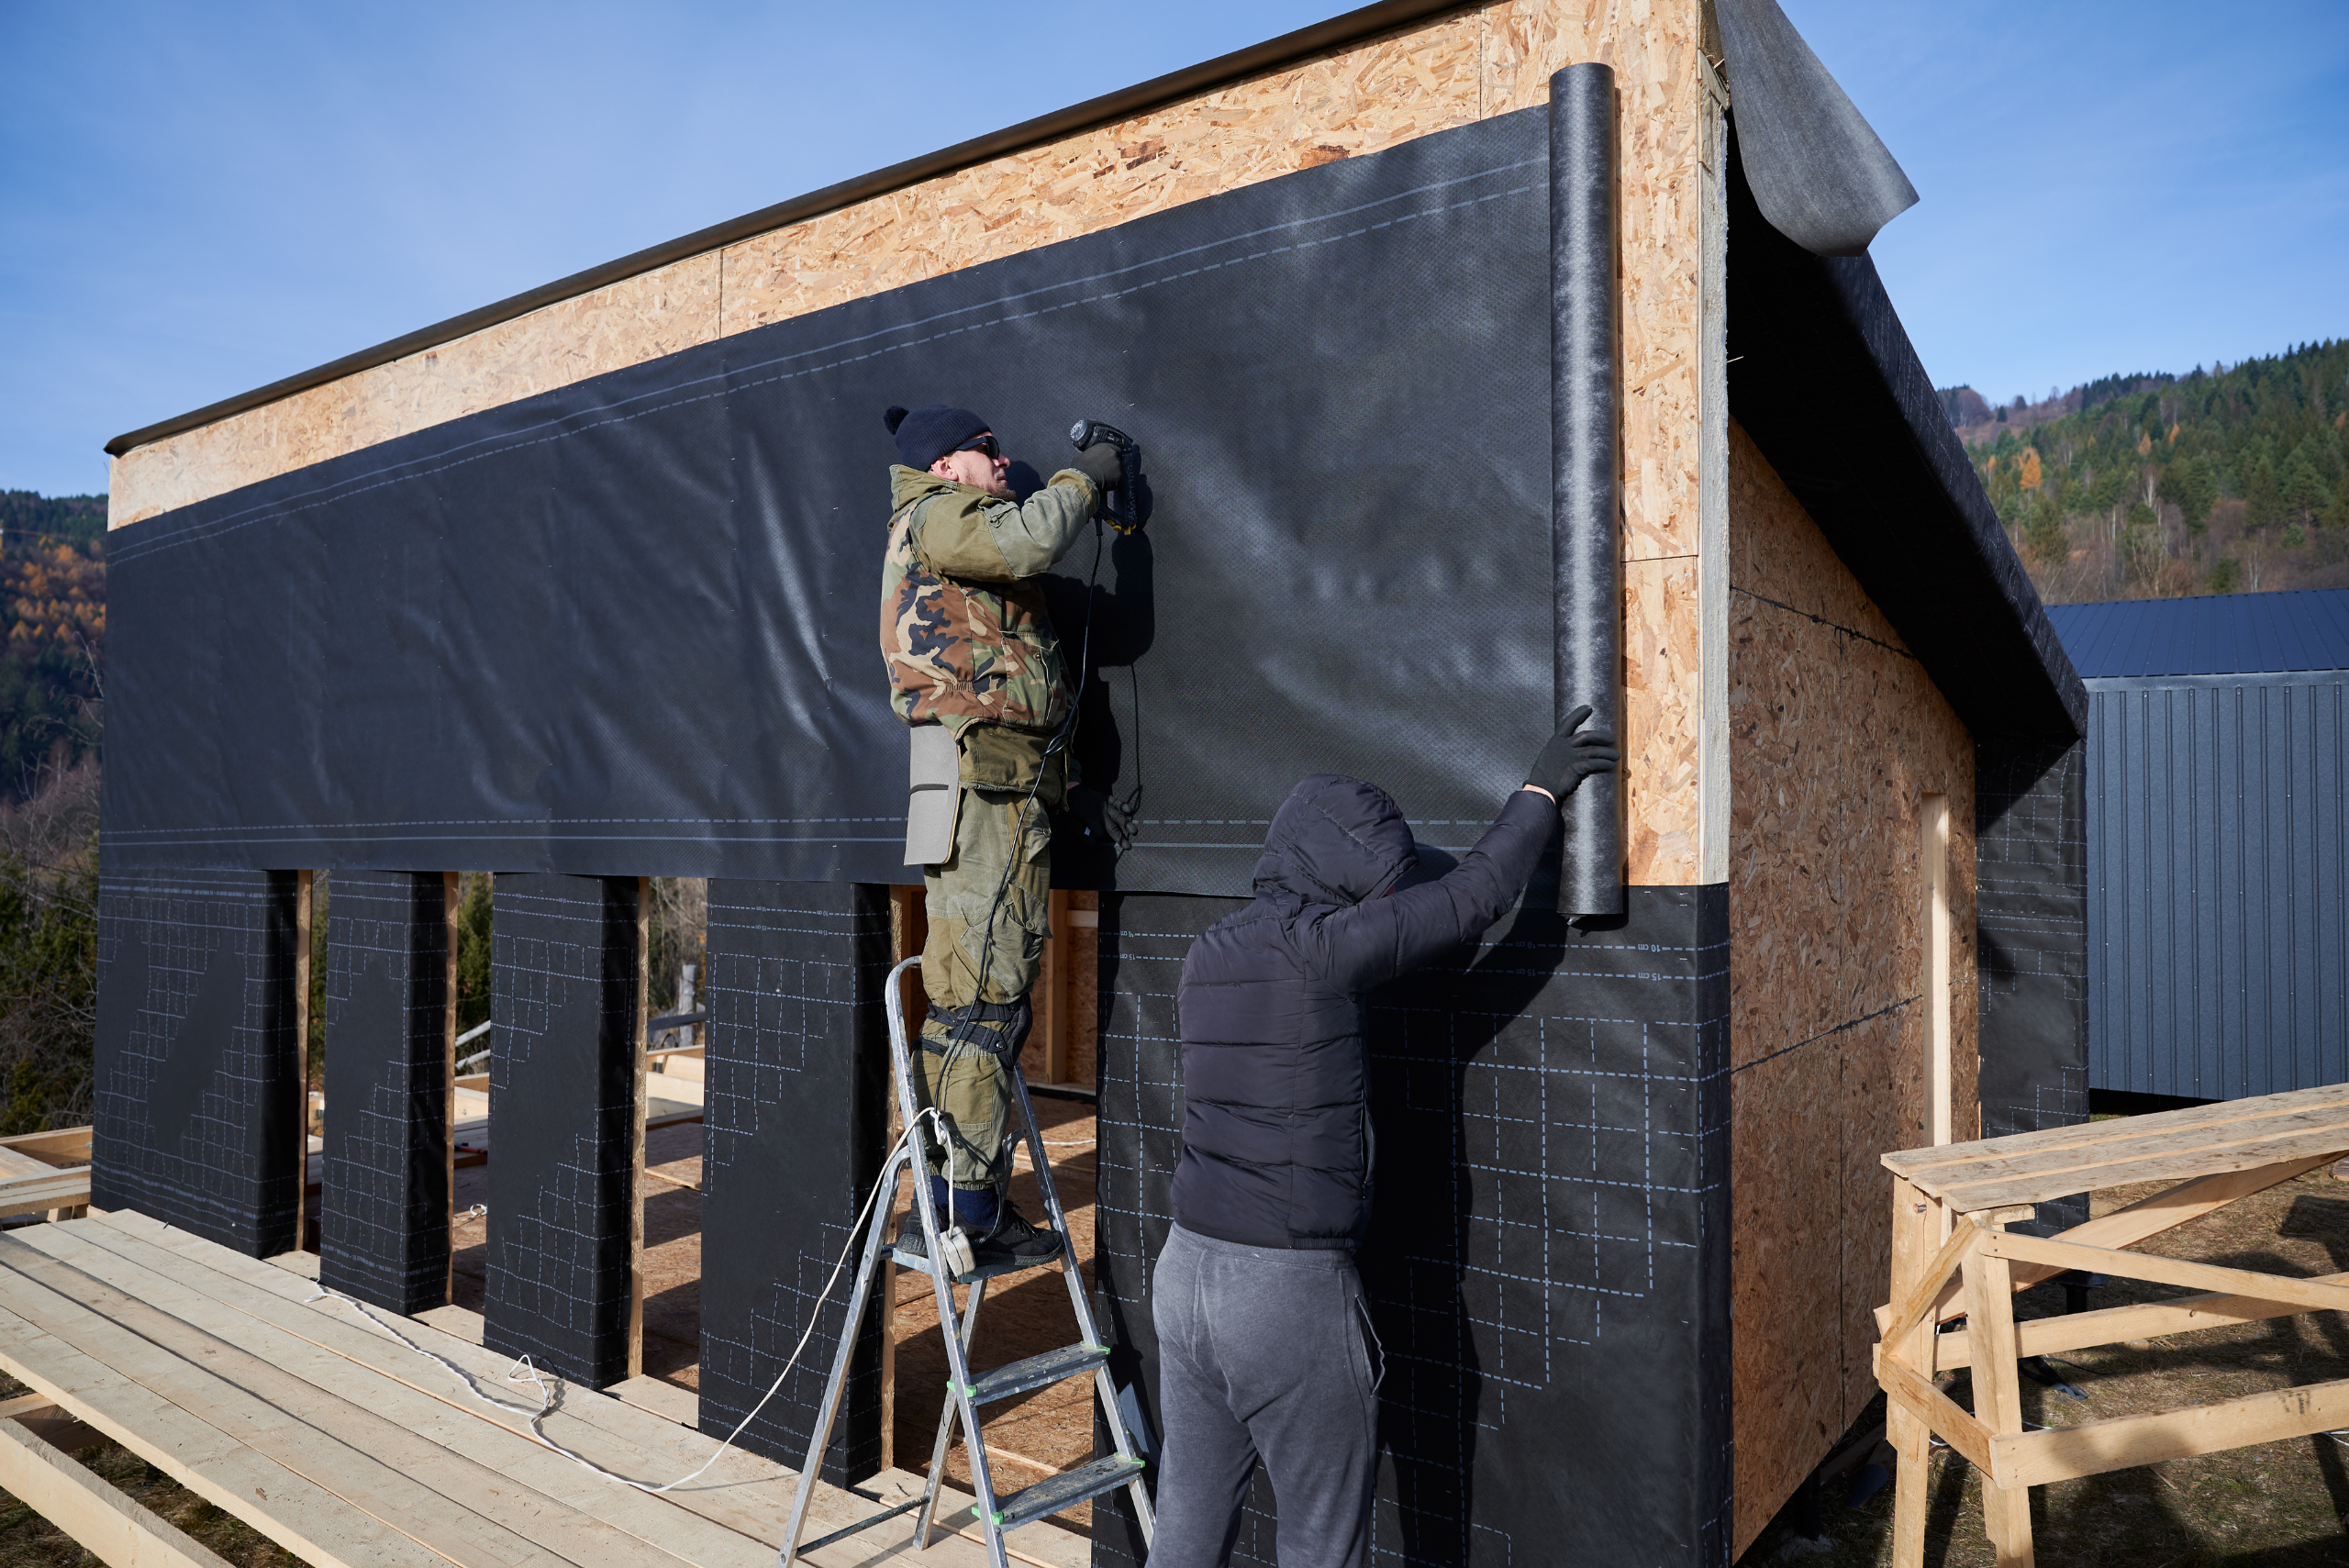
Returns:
point(2275, 1505)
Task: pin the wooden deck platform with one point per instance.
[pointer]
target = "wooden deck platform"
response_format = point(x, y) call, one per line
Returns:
point(353, 1450)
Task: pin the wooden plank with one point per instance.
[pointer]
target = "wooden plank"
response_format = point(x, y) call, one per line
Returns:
point(2313, 1295)
point(666, 1400)
point(1933, 968)
point(2110, 1325)
point(2036, 1458)
point(300, 1516)
point(1915, 1227)
point(499, 1446)
point(462, 1321)
point(1997, 1397)
point(419, 1488)
point(2146, 1218)
point(60, 1147)
point(14, 1166)
point(50, 1189)
point(1935, 1284)
point(2088, 1135)
point(2170, 1145)
point(747, 1495)
point(89, 1507)
point(1949, 1420)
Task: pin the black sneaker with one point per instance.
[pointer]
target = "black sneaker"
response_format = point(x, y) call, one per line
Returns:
point(910, 1241)
point(1014, 1241)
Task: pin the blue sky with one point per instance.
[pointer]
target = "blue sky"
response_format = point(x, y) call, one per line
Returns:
point(197, 200)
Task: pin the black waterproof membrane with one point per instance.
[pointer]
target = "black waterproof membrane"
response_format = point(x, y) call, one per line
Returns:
point(1548, 1261)
point(383, 1198)
point(797, 1080)
point(2031, 862)
point(630, 626)
point(197, 1099)
point(562, 1122)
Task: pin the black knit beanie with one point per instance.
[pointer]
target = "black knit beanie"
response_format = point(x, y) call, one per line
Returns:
point(930, 432)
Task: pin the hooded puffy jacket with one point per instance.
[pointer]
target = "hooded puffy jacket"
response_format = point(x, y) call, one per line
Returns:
point(1275, 1063)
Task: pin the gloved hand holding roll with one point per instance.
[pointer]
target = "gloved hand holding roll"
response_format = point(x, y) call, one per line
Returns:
point(1572, 755)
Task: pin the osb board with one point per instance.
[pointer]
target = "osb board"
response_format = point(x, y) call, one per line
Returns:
point(641, 318)
point(1430, 77)
point(1786, 1376)
point(1663, 693)
point(1835, 735)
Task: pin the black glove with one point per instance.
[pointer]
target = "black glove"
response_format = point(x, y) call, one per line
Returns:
point(1100, 463)
point(1570, 758)
point(1100, 819)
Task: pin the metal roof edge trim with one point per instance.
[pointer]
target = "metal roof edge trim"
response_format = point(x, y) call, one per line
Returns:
point(1256, 59)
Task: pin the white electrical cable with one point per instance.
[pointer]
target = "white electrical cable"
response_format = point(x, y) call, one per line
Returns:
point(546, 1395)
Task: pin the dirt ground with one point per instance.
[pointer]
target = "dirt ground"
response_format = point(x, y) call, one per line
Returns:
point(2277, 1506)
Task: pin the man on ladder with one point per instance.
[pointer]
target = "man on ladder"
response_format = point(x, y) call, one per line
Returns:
point(976, 672)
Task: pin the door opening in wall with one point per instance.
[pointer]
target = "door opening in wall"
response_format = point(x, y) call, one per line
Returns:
point(669, 1191)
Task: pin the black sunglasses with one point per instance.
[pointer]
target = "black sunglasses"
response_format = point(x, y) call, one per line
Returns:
point(987, 444)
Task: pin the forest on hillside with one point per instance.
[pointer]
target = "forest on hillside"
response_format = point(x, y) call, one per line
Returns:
point(2235, 479)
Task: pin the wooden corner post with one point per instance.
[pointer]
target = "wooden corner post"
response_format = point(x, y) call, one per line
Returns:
point(1933, 969)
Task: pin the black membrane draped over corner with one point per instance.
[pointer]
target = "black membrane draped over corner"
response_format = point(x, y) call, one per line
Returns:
point(195, 1097)
point(1548, 1261)
point(629, 627)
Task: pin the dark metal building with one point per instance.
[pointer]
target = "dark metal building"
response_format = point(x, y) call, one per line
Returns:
point(2218, 813)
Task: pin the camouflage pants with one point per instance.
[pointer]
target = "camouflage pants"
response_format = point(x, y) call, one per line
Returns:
point(961, 965)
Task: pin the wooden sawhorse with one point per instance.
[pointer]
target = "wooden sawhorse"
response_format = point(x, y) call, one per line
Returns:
point(1952, 1256)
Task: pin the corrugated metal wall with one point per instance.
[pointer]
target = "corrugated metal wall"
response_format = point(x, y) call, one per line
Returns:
point(2219, 884)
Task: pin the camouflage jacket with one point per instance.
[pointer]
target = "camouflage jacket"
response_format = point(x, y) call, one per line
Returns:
point(964, 629)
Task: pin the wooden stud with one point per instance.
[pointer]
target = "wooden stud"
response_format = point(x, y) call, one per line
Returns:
point(301, 1056)
point(2140, 1320)
point(1053, 982)
point(1998, 1396)
point(2313, 1295)
point(1960, 1429)
point(1933, 971)
point(88, 1506)
point(2167, 1210)
point(2034, 1459)
point(635, 1166)
point(1914, 1228)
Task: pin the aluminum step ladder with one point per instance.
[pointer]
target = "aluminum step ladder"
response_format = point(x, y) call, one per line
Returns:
point(968, 1393)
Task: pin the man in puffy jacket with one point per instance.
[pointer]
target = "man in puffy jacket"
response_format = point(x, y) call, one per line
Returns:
point(975, 670)
point(1265, 1344)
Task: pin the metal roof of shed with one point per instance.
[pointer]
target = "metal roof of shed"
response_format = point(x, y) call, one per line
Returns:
point(2228, 634)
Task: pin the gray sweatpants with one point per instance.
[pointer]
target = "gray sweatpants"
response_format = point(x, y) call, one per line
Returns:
point(1262, 1354)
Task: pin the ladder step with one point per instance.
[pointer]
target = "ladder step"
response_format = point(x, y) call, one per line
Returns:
point(1066, 1490)
point(1036, 1372)
point(912, 1258)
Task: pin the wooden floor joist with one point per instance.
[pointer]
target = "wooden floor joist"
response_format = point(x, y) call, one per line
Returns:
point(307, 1418)
point(90, 1508)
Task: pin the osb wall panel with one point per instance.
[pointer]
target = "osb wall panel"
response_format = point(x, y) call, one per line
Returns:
point(1430, 77)
point(640, 318)
point(1835, 735)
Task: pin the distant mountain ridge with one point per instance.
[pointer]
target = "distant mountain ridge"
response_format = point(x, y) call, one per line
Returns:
point(2150, 484)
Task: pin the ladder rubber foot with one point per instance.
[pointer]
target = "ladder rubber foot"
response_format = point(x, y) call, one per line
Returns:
point(1066, 1490)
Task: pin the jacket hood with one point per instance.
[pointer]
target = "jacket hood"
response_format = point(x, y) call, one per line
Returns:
point(1336, 841)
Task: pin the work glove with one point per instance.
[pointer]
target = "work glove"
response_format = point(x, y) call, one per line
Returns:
point(1098, 819)
point(1100, 463)
point(1570, 757)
